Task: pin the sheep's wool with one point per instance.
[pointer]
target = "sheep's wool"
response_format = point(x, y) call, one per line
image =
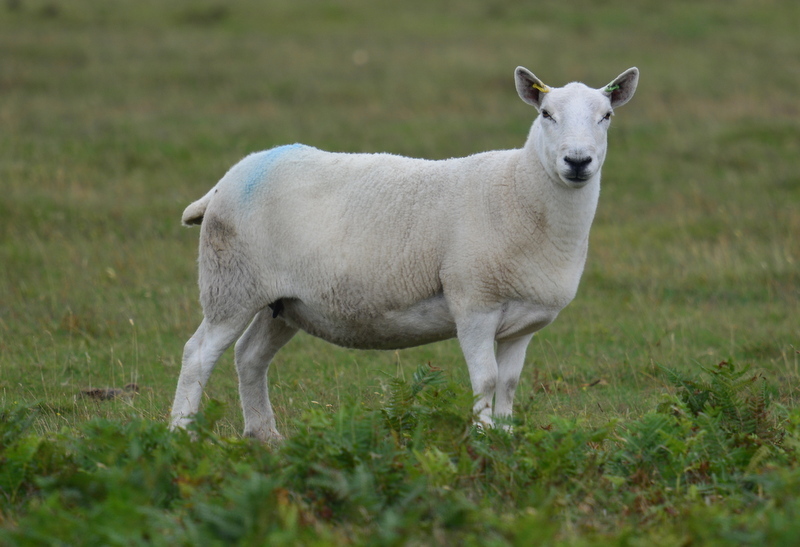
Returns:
point(381, 251)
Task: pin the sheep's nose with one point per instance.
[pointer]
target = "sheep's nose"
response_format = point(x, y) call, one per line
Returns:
point(577, 164)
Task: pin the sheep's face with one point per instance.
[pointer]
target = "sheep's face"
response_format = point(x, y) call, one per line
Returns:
point(570, 133)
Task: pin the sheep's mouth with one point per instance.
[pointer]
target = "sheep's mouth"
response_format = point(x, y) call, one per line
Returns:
point(578, 178)
point(577, 181)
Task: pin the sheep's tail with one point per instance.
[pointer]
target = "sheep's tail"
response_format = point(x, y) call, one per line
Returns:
point(193, 215)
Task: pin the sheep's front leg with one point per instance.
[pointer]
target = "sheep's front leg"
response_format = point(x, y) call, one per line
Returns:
point(510, 359)
point(476, 334)
point(254, 352)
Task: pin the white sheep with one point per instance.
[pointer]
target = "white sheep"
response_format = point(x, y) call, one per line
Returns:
point(382, 251)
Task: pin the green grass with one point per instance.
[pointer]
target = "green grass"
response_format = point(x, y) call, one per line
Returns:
point(412, 470)
point(115, 116)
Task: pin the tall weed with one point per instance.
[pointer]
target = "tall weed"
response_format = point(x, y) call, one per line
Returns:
point(413, 469)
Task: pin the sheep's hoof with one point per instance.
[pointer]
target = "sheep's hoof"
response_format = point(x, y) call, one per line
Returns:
point(269, 436)
point(483, 419)
point(182, 424)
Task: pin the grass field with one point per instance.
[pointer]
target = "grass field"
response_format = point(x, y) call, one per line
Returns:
point(115, 116)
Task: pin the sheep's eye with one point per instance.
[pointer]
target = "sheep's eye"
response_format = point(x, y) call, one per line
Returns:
point(546, 115)
point(607, 116)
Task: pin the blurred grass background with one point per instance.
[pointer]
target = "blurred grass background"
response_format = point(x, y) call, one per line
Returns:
point(115, 115)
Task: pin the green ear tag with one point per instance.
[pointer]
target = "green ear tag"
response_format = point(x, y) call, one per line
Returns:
point(612, 88)
point(544, 89)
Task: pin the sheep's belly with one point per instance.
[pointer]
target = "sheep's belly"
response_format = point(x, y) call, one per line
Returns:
point(520, 318)
point(422, 323)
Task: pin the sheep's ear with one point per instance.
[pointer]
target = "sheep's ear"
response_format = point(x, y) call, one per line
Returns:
point(622, 88)
point(530, 88)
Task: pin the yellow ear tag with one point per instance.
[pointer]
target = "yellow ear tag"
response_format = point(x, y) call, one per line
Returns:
point(544, 89)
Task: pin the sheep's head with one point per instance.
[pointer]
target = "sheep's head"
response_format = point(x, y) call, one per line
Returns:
point(570, 132)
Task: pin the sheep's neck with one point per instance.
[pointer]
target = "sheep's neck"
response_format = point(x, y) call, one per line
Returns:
point(548, 210)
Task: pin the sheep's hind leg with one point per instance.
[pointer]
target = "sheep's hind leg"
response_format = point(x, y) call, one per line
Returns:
point(510, 359)
point(200, 354)
point(254, 352)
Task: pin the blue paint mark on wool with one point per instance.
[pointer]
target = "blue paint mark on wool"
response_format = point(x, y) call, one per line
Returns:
point(259, 165)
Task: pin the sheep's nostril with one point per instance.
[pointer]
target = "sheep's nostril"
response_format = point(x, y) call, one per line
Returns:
point(578, 164)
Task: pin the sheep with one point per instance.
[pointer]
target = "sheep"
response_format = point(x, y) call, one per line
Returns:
point(379, 251)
